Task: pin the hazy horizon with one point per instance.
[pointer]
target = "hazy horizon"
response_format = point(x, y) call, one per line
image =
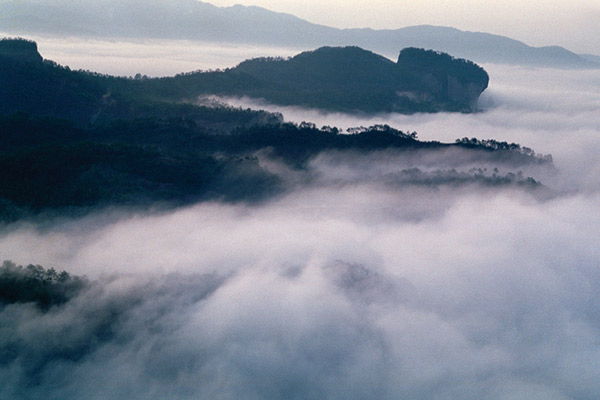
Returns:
point(535, 22)
point(532, 22)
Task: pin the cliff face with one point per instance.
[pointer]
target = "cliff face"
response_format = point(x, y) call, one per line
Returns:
point(20, 49)
point(353, 79)
point(447, 88)
point(446, 78)
point(467, 93)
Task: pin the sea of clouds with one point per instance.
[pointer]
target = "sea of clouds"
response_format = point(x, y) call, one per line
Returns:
point(351, 285)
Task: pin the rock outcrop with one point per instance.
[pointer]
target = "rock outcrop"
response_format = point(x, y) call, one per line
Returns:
point(20, 49)
point(341, 79)
point(351, 79)
point(444, 77)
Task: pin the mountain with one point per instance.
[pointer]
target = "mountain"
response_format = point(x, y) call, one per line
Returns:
point(591, 57)
point(20, 51)
point(194, 20)
point(347, 79)
point(72, 141)
point(43, 88)
point(50, 166)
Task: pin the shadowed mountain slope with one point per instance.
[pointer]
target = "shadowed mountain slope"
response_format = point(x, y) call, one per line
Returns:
point(43, 88)
point(73, 141)
point(347, 79)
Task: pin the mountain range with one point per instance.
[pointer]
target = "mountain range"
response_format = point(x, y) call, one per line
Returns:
point(347, 79)
point(71, 141)
point(199, 21)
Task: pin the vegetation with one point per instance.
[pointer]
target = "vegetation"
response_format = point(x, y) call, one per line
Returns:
point(479, 176)
point(74, 140)
point(34, 284)
point(495, 145)
point(43, 88)
point(51, 164)
point(346, 79)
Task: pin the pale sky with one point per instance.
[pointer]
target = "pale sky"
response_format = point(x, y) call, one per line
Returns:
point(574, 24)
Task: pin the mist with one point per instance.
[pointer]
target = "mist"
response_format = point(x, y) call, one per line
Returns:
point(152, 57)
point(532, 21)
point(551, 111)
point(360, 281)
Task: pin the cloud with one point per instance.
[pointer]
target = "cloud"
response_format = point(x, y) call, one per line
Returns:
point(347, 286)
point(552, 111)
point(480, 300)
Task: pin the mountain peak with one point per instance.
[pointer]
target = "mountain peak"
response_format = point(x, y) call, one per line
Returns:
point(20, 49)
point(352, 79)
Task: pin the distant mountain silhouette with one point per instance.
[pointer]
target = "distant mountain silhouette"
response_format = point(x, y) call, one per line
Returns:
point(591, 57)
point(194, 20)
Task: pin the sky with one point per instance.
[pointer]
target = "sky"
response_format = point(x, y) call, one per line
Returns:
point(572, 24)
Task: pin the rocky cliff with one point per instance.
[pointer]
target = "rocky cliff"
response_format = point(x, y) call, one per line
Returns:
point(443, 77)
point(20, 49)
point(351, 79)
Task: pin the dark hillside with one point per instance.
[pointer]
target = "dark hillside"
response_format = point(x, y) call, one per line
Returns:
point(20, 49)
point(74, 141)
point(325, 66)
point(51, 165)
point(38, 87)
point(347, 79)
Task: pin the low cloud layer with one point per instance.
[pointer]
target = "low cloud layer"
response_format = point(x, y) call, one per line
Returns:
point(491, 295)
point(552, 111)
point(151, 57)
point(353, 285)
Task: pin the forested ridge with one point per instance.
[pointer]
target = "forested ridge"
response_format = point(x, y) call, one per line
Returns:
point(347, 79)
point(72, 141)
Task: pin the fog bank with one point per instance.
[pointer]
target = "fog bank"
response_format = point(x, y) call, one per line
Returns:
point(360, 282)
point(323, 294)
point(552, 111)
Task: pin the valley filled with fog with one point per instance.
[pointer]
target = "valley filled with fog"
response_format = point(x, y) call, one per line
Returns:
point(378, 275)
